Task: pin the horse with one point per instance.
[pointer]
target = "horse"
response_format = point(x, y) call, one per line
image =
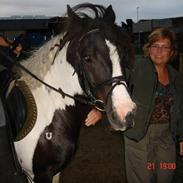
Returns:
point(81, 68)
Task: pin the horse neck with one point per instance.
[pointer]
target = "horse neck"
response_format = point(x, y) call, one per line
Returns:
point(63, 74)
point(39, 63)
point(57, 72)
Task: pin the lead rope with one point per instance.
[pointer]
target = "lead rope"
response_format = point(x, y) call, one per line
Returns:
point(29, 178)
point(59, 90)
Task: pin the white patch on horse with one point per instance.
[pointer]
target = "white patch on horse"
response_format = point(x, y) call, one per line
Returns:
point(121, 100)
point(60, 74)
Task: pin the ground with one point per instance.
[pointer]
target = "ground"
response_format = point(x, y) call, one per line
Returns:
point(100, 158)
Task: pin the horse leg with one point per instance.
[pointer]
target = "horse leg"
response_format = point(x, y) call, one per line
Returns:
point(56, 178)
point(43, 178)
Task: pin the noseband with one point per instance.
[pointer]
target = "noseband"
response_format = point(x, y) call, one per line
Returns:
point(91, 90)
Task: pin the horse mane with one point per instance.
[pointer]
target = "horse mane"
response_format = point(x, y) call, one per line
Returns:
point(39, 62)
point(97, 10)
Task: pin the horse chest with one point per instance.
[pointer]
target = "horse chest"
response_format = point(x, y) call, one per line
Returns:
point(47, 103)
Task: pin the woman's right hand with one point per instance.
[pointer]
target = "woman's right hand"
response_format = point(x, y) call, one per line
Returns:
point(93, 117)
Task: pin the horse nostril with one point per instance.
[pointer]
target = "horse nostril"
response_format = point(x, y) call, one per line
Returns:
point(130, 120)
point(113, 115)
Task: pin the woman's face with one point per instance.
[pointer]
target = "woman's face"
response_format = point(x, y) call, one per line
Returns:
point(161, 52)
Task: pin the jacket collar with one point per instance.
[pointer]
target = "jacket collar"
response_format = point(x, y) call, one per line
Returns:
point(173, 74)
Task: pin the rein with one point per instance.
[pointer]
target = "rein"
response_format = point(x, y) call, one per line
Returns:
point(90, 100)
point(59, 90)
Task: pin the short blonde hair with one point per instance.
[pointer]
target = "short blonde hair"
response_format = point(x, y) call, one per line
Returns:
point(161, 33)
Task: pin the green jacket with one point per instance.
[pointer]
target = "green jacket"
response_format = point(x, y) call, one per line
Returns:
point(143, 83)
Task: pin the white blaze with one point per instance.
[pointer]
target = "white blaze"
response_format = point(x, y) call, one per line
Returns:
point(121, 100)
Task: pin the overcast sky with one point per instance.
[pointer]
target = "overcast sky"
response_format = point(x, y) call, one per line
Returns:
point(146, 9)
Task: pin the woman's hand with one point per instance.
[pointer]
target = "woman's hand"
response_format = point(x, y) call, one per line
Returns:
point(93, 117)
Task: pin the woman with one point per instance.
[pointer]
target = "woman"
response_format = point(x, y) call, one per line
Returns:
point(10, 49)
point(157, 91)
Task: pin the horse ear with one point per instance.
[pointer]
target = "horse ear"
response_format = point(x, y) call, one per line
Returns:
point(109, 15)
point(71, 14)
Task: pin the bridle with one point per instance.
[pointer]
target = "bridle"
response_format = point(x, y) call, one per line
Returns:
point(89, 90)
point(86, 82)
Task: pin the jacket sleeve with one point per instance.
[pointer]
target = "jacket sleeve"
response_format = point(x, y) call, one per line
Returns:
point(7, 58)
point(180, 121)
point(129, 79)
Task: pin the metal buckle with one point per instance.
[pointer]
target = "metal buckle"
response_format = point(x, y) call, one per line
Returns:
point(99, 105)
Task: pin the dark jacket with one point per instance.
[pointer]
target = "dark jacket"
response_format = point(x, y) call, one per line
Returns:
point(143, 83)
point(5, 53)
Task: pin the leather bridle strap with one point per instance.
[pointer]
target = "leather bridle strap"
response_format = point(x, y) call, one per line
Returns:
point(58, 90)
point(117, 80)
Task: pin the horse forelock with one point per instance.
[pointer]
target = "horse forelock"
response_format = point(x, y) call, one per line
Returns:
point(93, 16)
point(89, 10)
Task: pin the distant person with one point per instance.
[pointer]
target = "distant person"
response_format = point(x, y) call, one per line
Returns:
point(14, 46)
point(10, 49)
point(7, 169)
point(24, 41)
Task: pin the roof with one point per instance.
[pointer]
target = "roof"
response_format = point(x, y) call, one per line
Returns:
point(23, 24)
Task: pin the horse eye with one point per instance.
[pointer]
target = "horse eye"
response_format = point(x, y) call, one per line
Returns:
point(87, 59)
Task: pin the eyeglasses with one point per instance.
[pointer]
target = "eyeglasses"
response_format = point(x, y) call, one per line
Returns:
point(157, 47)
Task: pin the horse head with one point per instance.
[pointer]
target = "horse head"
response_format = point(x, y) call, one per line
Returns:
point(99, 50)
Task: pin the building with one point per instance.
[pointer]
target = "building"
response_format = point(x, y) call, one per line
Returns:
point(142, 29)
point(28, 30)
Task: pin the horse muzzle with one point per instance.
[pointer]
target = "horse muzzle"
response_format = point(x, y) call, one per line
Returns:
point(118, 121)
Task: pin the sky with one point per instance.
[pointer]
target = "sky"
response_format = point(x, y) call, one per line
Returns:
point(124, 9)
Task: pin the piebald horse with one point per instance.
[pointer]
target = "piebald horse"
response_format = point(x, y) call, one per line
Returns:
point(77, 70)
